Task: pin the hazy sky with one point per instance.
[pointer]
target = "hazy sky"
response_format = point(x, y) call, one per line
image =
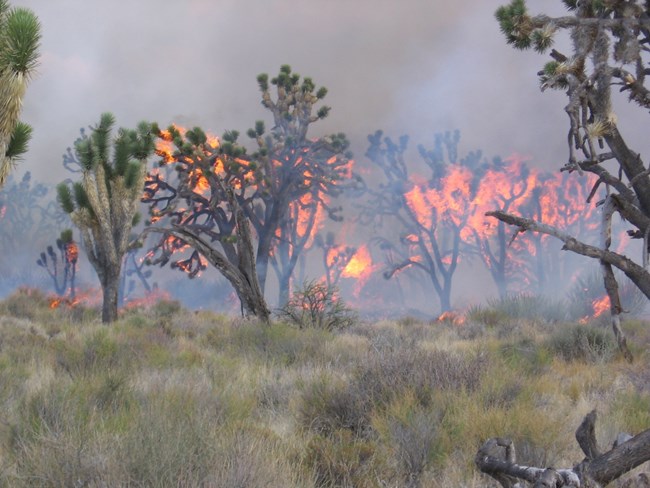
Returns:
point(408, 66)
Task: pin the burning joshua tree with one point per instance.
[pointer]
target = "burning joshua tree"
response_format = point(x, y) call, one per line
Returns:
point(609, 49)
point(20, 34)
point(199, 212)
point(103, 205)
point(442, 218)
point(63, 268)
point(431, 214)
point(282, 191)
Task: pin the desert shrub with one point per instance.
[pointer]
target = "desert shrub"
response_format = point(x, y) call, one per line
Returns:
point(33, 304)
point(382, 377)
point(487, 316)
point(470, 331)
point(277, 343)
point(341, 460)
point(25, 303)
point(534, 308)
point(582, 342)
point(252, 458)
point(411, 433)
point(52, 442)
point(328, 405)
point(98, 352)
point(525, 354)
point(170, 442)
point(633, 410)
point(166, 308)
point(317, 305)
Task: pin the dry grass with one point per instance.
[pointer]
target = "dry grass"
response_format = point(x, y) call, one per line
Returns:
point(165, 397)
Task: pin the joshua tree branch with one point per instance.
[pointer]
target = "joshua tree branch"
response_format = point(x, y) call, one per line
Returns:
point(635, 272)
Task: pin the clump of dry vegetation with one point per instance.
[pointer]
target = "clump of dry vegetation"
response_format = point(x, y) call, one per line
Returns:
point(170, 397)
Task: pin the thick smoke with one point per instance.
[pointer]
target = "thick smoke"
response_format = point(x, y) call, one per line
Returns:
point(415, 67)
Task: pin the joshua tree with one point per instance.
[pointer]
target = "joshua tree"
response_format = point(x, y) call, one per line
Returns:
point(103, 205)
point(432, 215)
point(199, 211)
point(19, 41)
point(609, 49)
point(297, 176)
point(27, 216)
point(279, 191)
point(62, 269)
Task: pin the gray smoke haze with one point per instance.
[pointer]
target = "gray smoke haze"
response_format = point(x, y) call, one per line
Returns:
point(412, 67)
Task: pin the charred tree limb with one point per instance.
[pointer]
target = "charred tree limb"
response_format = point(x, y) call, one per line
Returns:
point(611, 285)
point(586, 436)
point(495, 458)
point(239, 277)
point(639, 275)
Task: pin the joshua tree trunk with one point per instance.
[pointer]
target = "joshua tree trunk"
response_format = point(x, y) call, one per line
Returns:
point(110, 282)
point(241, 274)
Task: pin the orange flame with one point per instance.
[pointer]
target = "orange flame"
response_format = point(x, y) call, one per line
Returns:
point(451, 317)
point(359, 265)
point(71, 252)
point(600, 305)
point(151, 298)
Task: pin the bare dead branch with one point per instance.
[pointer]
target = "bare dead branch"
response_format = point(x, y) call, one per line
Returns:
point(639, 275)
point(596, 470)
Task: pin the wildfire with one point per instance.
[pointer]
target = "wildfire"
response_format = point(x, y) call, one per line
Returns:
point(71, 252)
point(151, 298)
point(451, 317)
point(600, 305)
point(360, 268)
point(360, 264)
point(90, 297)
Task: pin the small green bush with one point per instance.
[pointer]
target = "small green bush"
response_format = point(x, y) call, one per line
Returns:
point(329, 405)
point(319, 306)
point(525, 306)
point(582, 342)
point(411, 433)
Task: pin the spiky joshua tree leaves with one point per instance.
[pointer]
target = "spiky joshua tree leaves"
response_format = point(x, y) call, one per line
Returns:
point(298, 176)
point(103, 205)
point(223, 193)
point(19, 42)
point(609, 52)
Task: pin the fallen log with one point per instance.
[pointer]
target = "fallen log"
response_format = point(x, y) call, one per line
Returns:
point(497, 458)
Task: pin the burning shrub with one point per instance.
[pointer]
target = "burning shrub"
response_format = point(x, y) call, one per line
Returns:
point(318, 305)
point(587, 298)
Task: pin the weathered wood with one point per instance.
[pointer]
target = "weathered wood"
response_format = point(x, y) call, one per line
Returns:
point(586, 436)
point(495, 458)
